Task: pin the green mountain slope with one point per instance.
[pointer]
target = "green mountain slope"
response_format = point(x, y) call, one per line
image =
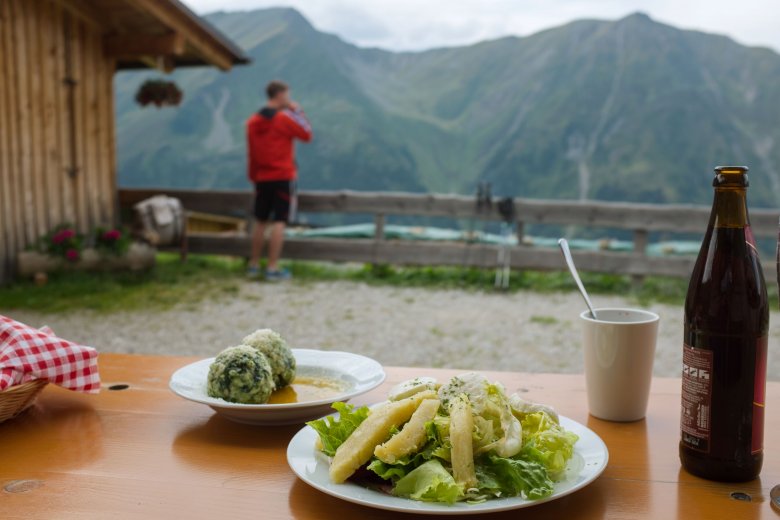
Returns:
point(626, 110)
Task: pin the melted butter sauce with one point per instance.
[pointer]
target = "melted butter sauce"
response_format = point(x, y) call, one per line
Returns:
point(305, 388)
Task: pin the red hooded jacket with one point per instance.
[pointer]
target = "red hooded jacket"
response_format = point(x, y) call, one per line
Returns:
point(270, 134)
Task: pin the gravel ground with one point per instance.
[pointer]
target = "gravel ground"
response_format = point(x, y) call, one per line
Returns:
point(524, 331)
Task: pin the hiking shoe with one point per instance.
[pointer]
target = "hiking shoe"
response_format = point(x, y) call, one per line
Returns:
point(252, 272)
point(278, 275)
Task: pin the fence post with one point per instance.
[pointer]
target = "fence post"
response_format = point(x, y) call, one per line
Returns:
point(640, 248)
point(379, 235)
point(379, 227)
point(520, 232)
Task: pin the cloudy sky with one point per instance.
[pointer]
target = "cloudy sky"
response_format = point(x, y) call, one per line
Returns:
point(422, 24)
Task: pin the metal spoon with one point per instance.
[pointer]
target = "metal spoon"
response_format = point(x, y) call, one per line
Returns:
point(775, 498)
point(573, 270)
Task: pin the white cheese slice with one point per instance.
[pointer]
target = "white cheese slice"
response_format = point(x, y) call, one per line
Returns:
point(411, 387)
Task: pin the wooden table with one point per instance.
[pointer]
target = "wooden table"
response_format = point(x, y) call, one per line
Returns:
point(143, 452)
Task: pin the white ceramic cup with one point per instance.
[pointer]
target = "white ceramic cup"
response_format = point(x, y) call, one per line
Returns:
point(619, 349)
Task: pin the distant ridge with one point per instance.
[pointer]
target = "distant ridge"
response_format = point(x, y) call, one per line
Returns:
point(630, 110)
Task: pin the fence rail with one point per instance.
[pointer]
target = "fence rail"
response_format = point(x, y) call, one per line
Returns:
point(641, 219)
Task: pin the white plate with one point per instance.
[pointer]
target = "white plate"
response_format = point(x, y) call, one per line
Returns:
point(311, 466)
point(359, 374)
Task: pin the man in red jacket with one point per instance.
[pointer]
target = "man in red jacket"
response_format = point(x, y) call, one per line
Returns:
point(271, 133)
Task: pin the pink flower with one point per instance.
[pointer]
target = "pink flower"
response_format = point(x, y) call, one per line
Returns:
point(113, 234)
point(63, 235)
point(72, 254)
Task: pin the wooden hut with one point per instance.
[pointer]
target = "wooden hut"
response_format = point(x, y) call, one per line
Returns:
point(57, 128)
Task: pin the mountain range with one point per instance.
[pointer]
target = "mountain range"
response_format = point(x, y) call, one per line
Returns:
point(625, 110)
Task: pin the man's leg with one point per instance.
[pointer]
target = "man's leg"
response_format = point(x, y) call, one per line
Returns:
point(284, 196)
point(275, 245)
point(262, 211)
point(258, 237)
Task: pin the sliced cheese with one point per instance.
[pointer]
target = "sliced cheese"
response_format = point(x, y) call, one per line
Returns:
point(413, 435)
point(410, 387)
point(462, 453)
point(358, 448)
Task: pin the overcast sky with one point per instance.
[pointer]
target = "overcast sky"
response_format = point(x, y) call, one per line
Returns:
point(422, 24)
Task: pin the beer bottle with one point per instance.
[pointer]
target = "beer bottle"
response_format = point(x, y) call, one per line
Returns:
point(725, 343)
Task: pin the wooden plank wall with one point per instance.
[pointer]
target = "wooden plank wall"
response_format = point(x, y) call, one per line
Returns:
point(41, 46)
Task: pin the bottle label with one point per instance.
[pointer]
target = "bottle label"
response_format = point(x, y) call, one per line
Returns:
point(759, 396)
point(696, 398)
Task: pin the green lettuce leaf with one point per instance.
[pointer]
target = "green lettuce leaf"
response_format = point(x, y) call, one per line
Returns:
point(389, 471)
point(334, 431)
point(502, 477)
point(439, 434)
point(429, 482)
point(547, 443)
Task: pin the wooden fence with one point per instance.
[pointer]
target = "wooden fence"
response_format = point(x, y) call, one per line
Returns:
point(641, 219)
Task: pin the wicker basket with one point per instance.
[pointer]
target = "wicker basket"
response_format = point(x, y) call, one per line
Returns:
point(17, 399)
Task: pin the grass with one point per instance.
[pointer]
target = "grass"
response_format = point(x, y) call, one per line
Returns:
point(653, 289)
point(168, 284)
point(172, 283)
point(544, 320)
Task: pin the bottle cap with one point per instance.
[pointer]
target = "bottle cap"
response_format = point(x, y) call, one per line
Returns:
point(727, 170)
point(731, 175)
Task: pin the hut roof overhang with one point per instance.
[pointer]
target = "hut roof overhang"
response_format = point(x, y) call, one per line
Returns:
point(163, 34)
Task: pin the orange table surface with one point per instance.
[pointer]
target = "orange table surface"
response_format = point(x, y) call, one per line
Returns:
point(144, 452)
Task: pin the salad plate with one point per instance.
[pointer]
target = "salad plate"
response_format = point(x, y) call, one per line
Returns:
point(312, 466)
point(342, 375)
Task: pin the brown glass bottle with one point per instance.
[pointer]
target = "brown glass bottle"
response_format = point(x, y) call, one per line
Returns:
point(724, 355)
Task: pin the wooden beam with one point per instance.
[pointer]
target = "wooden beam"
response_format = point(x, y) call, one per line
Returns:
point(149, 61)
point(24, 13)
point(7, 169)
point(136, 45)
point(638, 217)
point(614, 215)
point(83, 11)
point(195, 36)
point(379, 227)
point(640, 241)
point(520, 232)
point(231, 203)
point(90, 53)
point(166, 64)
point(640, 247)
point(416, 253)
point(75, 35)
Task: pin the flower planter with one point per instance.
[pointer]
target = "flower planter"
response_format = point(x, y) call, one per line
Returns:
point(138, 257)
point(159, 92)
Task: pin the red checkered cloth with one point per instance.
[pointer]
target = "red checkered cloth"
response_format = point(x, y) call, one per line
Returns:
point(27, 353)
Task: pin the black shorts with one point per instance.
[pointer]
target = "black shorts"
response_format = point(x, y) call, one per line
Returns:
point(275, 201)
